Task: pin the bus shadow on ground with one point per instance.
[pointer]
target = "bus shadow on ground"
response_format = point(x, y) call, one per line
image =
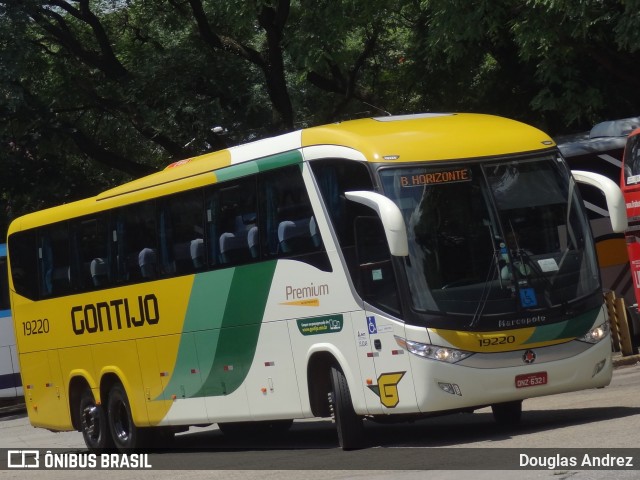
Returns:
point(456, 430)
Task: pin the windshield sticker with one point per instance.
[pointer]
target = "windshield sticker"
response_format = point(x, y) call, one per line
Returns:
point(633, 179)
point(371, 325)
point(528, 297)
point(548, 265)
point(435, 178)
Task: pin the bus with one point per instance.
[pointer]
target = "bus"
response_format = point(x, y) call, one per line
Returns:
point(630, 184)
point(379, 269)
point(600, 150)
point(10, 383)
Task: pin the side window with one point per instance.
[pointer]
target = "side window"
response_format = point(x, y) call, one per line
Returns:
point(24, 263)
point(632, 160)
point(376, 280)
point(334, 178)
point(135, 241)
point(359, 231)
point(90, 246)
point(182, 248)
point(54, 267)
point(231, 222)
point(288, 226)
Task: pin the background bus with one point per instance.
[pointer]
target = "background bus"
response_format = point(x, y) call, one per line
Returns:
point(10, 384)
point(378, 269)
point(630, 184)
point(600, 150)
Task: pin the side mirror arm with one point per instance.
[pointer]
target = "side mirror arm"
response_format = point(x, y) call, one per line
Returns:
point(613, 195)
point(391, 217)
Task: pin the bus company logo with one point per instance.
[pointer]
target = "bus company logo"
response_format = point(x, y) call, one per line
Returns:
point(115, 315)
point(305, 296)
point(529, 357)
point(387, 388)
point(23, 459)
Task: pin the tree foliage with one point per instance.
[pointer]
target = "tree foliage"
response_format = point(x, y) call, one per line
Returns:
point(95, 92)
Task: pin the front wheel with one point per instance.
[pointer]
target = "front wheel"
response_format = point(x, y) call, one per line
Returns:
point(126, 435)
point(349, 425)
point(93, 423)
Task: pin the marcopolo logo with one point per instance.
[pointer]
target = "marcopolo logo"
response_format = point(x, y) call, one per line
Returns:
point(318, 325)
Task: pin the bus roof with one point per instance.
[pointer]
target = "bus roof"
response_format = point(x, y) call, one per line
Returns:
point(403, 138)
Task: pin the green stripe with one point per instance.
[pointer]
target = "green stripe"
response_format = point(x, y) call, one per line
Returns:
point(573, 328)
point(222, 326)
point(260, 165)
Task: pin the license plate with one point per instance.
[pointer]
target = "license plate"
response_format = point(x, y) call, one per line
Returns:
point(531, 379)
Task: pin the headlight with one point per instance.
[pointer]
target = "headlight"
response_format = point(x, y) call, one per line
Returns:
point(433, 352)
point(596, 333)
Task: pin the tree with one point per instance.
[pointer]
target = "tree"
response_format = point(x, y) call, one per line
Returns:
point(556, 63)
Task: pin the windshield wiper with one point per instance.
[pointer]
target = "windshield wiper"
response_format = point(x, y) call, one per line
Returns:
point(494, 266)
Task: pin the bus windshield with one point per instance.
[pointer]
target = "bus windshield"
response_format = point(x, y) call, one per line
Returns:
point(494, 237)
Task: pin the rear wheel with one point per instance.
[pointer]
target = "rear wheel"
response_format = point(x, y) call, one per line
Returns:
point(349, 425)
point(126, 436)
point(509, 413)
point(93, 423)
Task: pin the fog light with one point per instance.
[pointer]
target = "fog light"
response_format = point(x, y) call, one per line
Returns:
point(599, 366)
point(451, 388)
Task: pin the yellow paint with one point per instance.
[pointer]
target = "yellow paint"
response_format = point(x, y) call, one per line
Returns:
point(43, 371)
point(490, 342)
point(129, 353)
point(310, 302)
point(455, 136)
point(388, 387)
point(612, 252)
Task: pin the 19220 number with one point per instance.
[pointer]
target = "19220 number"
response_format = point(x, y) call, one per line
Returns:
point(35, 327)
point(500, 340)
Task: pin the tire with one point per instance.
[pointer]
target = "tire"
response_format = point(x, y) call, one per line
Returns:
point(93, 424)
point(349, 425)
point(126, 436)
point(507, 414)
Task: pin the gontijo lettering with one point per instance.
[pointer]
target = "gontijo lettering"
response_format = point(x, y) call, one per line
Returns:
point(116, 314)
point(447, 176)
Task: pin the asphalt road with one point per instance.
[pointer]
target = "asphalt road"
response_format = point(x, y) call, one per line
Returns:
point(599, 423)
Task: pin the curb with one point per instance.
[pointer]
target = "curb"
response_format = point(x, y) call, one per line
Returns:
point(620, 361)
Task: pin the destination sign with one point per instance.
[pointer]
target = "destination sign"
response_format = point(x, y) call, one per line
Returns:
point(435, 178)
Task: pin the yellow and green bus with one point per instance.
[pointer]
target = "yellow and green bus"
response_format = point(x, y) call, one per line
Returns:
point(371, 270)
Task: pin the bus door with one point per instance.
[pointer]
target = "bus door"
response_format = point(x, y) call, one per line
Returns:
point(392, 384)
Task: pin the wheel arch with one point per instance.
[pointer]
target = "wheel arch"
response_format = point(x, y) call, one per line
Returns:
point(319, 363)
point(78, 383)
